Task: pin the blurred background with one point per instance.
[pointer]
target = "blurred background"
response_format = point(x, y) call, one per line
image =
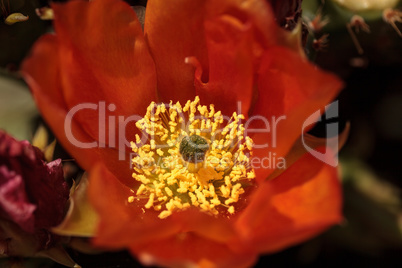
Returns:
point(370, 63)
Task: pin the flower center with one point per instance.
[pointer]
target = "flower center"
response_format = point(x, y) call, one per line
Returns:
point(193, 148)
point(191, 157)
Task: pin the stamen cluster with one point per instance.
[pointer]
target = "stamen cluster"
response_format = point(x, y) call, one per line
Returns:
point(169, 181)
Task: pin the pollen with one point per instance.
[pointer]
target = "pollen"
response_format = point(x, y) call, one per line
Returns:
point(193, 156)
point(130, 199)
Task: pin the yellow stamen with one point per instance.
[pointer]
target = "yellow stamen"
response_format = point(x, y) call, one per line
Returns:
point(169, 180)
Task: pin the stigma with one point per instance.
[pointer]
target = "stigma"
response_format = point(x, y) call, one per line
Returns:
point(193, 148)
point(191, 156)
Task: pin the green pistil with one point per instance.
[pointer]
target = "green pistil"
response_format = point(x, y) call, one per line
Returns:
point(193, 148)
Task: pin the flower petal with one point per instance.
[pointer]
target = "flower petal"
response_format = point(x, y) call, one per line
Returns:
point(133, 226)
point(44, 80)
point(14, 203)
point(230, 79)
point(191, 250)
point(46, 88)
point(197, 38)
point(218, 229)
point(308, 142)
point(122, 223)
point(174, 32)
point(301, 202)
point(101, 60)
point(290, 90)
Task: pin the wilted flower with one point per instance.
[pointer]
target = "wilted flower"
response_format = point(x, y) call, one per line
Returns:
point(210, 59)
point(33, 197)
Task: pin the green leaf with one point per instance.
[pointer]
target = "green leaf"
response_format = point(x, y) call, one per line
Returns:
point(17, 108)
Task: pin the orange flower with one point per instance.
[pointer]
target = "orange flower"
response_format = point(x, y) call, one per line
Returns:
point(231, 54)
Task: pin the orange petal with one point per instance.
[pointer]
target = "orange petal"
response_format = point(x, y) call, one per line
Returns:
point(174, 32)
point(290, 90)
point(121, 223)
point(41, 71)
point(230, 79)
point(186, 29)
point(44, 81)
point(190, 250)
point(218, 229)
point(308, 142)
point(131, 224)
point(300, 203)
point(103, 57)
